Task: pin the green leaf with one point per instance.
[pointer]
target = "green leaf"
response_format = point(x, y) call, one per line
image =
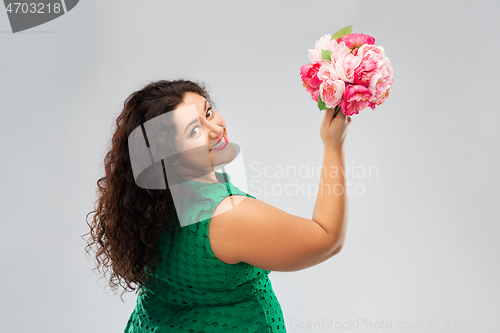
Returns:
point(344, 31)
point(321, 104)
point(326, 54)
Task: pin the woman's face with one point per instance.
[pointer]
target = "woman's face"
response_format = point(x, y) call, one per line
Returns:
point(198, 133)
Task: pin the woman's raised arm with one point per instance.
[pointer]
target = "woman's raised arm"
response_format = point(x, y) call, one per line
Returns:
point(244, 229)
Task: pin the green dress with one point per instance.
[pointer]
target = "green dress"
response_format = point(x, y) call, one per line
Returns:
point(196, 292)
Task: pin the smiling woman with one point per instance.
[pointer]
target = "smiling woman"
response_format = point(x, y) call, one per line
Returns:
point(202, 142)
point(198, 248)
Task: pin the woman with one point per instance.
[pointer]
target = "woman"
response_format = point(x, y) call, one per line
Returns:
point(198, 248)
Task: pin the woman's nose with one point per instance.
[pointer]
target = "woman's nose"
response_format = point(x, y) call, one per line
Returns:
point(216, 132)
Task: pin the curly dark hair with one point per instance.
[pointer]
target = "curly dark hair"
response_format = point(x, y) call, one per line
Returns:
point(128, 219)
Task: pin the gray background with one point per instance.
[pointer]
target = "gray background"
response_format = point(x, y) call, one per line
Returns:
point(422, 243)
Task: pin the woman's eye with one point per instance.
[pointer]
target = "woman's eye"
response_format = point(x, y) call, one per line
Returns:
point(192, 132)
point(211, 111)
point(211, 115)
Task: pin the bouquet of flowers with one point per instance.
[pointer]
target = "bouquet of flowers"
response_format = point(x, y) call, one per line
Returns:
point(347, 72)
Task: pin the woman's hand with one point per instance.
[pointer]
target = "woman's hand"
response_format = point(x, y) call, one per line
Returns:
point(334, 131)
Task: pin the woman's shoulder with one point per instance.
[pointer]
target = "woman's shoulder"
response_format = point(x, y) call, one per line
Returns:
point(206, 199)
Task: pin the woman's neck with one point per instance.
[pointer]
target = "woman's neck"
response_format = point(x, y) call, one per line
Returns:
point(208, 178)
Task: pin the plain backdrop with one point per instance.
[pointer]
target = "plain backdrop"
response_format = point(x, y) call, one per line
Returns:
point(422, 245)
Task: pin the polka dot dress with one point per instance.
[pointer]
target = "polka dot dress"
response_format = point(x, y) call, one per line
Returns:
point(196, 292)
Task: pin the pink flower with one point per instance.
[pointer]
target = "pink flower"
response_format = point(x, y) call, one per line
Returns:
point(339, 50)
point(381, 100)
point(374, 72)
point(341, 66)
point(354, 75)
point(371, 52)
point(331, 92)
point(310, 79)
point(346, 65)
point(327, 71)
point(364, 72)
point(324, 43)
point(356, 98)
point(315, 95)
point(376, 77)
point(381, 82)
point(356, 40)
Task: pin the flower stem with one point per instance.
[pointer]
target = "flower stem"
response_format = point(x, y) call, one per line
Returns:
point(337, 110)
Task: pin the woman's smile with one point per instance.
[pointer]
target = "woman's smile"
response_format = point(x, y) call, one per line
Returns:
point(221, 144)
